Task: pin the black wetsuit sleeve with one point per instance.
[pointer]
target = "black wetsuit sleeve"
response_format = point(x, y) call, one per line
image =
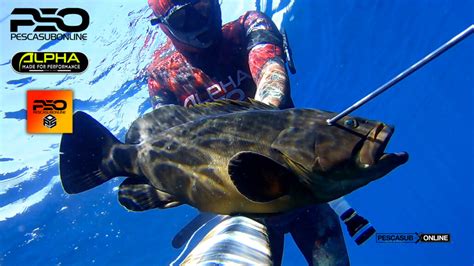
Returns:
point(260, 29)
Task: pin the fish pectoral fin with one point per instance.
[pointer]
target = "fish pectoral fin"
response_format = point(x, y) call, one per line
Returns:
point(258, 177)
point(296, 148)
point(138, 195)
point(301, 172)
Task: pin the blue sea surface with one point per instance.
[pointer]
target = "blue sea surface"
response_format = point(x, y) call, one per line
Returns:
point(342, 50)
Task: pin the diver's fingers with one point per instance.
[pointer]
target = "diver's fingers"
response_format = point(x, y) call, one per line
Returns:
point(184, 234)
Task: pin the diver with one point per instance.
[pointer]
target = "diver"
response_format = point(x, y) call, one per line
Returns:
point(202, 61)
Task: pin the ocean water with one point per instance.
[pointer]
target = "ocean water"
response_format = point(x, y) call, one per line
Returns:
point(342, 50)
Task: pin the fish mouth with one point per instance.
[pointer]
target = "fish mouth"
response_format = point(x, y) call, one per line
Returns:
point(373, 148)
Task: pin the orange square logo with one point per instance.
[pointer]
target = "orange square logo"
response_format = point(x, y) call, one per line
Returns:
point(49, 111)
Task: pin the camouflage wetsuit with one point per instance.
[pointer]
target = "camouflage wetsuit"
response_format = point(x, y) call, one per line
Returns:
point(231, 69)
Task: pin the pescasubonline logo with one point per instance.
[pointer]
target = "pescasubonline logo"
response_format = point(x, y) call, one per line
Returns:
point(413, 238)
point(49, 111)
point(45, 23)
point(49, 62)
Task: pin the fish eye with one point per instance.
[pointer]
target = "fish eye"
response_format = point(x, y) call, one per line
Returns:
point(352, 123)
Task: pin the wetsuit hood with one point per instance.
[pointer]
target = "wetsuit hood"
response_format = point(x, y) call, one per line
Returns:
point(193, 25)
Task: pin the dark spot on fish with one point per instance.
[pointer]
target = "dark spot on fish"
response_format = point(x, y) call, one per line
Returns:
point(172, 146)
point(153, 155)
point(194, 159)
point(174, 176)
point(167, 170)
point(160, 143)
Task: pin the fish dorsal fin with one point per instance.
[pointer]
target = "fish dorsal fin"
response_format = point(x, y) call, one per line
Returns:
point(138, 195)
point(258, 177)
point(230, 106)
point(168, 116)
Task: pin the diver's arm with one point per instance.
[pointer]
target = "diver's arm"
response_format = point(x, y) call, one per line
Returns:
point(273, 84)
point(266, 60)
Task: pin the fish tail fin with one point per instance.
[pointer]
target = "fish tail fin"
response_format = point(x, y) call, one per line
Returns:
point(91, 155)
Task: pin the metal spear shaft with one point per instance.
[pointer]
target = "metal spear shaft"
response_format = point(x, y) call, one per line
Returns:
point(461, 36)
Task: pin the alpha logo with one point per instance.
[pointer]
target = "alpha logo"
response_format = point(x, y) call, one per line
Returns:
point(49, 111)
point(221, 90)
point(49, 20)
point(50, 62)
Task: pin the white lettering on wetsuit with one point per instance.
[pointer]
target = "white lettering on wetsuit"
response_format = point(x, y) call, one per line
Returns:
point(221, 90)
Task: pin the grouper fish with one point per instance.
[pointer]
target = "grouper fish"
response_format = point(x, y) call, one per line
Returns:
point(228, 157)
